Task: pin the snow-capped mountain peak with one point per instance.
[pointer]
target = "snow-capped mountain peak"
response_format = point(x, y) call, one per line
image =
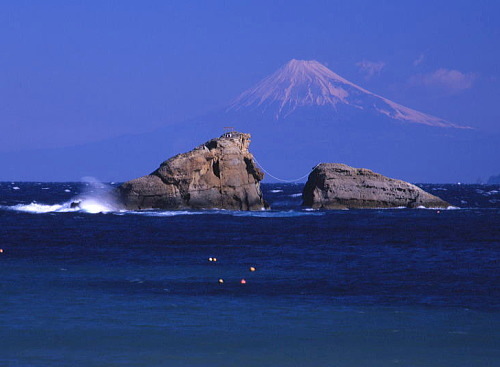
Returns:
point(301, 83)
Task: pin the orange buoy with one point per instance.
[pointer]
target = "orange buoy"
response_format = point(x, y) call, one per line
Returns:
point(243, 281)
point(1, 250)
point(252, 268)
point(214, 259)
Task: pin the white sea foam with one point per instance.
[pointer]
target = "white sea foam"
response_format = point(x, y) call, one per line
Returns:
point(86, 205)
point(67, 190)
point(257, 214)
point(99, 198)
point(16, 188)
point(163, 213)
point(276, 191)
point(278, 214)
point(451, 207)
point(296, 195)
point(95, 206)
point(37, 208)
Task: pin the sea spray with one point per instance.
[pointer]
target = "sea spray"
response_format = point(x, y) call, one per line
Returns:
point(96, 197)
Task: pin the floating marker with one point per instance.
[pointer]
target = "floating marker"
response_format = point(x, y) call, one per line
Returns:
point(1, 250)
point(214, 259)
point(252, 268)
point(210, 259)
point(221, 281)
point(243, 281)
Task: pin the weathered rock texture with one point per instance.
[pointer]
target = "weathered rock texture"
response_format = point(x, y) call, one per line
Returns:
point(218, 174)
point(338, 186)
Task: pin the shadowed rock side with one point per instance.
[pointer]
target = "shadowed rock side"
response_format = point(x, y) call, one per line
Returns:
point(218, 174)
point(338, 186)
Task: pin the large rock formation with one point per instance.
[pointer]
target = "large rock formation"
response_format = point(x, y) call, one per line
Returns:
point(338, 186)
point(218, 174)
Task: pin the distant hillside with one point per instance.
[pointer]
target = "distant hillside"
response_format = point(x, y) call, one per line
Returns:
point(494, 180)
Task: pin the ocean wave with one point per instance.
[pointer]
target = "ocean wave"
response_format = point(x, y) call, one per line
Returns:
point(278, 214)
point(98, 198)
point(275, 191)
point(163, 213)
point(451, 207)
point(95, 207)
point(34, 207)
point(256, 214)
point(296, 195)
point(85, 205)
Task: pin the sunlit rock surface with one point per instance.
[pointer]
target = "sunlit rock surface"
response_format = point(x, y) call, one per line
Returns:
point(338, 186)
point(220, 174)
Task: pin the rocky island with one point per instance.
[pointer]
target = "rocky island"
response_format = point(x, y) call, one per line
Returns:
point(219, 174)
point(338, 186)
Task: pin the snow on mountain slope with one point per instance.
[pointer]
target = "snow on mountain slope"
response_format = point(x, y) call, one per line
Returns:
point(301, 83)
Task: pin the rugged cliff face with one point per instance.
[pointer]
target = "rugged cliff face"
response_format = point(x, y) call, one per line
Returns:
point(337, 186)
point(218, 174)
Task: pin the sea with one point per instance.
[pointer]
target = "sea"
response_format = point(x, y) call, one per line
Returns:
point(98, 286)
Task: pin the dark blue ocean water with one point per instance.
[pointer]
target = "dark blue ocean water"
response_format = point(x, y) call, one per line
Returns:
point(97, 287)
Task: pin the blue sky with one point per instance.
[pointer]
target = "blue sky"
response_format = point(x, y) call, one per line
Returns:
point(73, 72)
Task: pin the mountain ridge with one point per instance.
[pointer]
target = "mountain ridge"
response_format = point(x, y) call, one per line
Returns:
point(301, 83)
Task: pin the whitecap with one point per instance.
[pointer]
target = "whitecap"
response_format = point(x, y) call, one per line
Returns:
point(451, 207)
point(275, 191)
point(84, 205)
point(162, 213)
point(35, 208)
point(277, 214)
point(67, 190)
point(94, 206)
point(16, 188)
point(296, 195)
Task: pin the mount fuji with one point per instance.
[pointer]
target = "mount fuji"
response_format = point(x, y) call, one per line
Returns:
point(302, 83)
point(299, 116)
point(304, 114)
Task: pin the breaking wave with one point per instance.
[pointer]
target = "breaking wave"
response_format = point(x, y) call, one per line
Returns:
point(97, 198)
point(278, 214)
point(85, 205)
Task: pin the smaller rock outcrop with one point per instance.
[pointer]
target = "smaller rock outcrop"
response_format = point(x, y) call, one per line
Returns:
point(338, 186)
point(220, 174)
